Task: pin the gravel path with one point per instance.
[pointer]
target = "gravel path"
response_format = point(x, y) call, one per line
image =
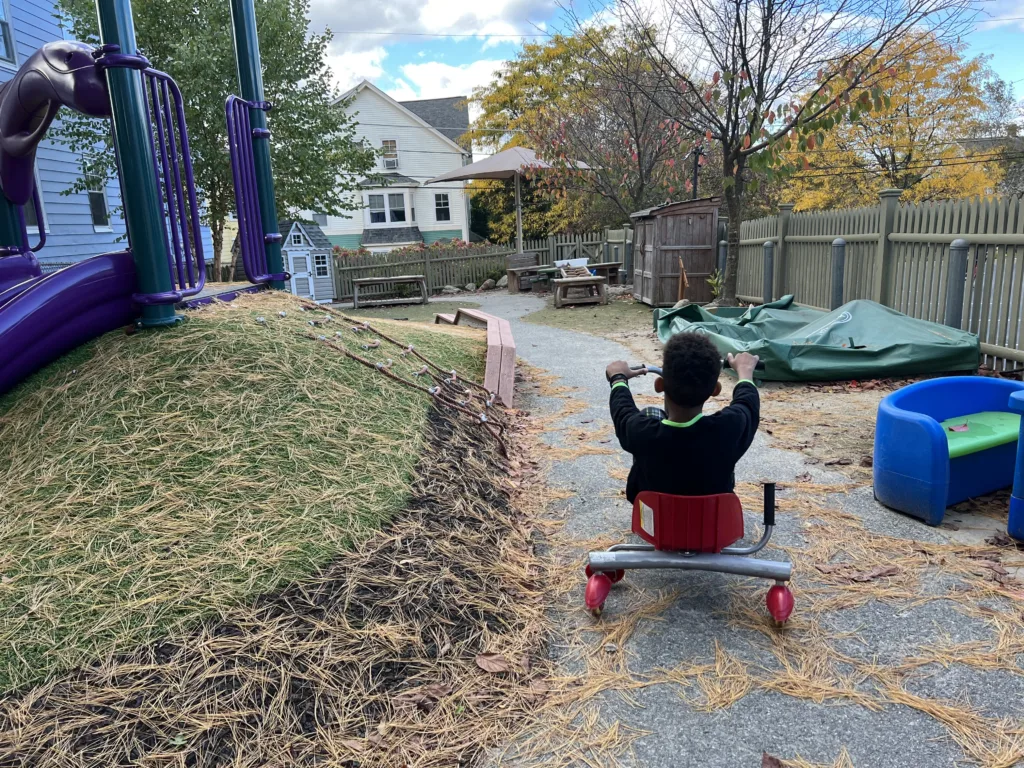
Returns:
point(677, 734)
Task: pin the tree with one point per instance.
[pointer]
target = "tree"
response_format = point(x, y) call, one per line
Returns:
point(552, 99)
point(313, 146)
point(764, 79)
point(923, 141)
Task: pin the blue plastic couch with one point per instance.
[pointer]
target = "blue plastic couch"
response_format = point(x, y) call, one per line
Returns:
point(941, 441)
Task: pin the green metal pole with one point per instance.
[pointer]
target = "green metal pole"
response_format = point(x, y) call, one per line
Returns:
point(250, 80)
point(143, 211)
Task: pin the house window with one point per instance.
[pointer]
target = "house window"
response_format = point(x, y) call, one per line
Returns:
point(412, 214)
point(377, 215)
point(320, 264)
point(396, 207)
point(441, 210)
point(296, 238)
point(97, 190)
point(6, 38)
point(390, 152)
point(320, 219)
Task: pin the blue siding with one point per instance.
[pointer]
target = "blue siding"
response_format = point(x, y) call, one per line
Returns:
point(69, 232)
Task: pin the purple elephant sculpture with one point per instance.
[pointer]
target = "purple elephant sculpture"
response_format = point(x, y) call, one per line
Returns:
point(61, 73)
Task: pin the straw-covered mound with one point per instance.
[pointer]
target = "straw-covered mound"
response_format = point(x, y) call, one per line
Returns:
point(152, 479)
point(423, 646)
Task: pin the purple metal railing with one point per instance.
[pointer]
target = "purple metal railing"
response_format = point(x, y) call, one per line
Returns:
point(172, 168)
point(251, 240)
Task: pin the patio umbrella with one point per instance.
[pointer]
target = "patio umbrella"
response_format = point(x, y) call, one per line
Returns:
point(507, 164)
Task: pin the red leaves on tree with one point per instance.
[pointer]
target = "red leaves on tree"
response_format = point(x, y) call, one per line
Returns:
point(716, 77)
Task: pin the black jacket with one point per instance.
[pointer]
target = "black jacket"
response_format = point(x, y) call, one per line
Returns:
point(696, 459)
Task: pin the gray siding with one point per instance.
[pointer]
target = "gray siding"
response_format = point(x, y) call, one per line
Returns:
point(70, 234)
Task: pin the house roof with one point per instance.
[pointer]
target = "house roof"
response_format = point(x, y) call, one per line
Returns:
point(449, 116)
point(313, 232)
point(367, 85)
point(388, 180)
point(391, 235)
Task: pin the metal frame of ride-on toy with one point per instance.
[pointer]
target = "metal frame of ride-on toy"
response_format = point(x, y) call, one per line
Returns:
point(692, 533)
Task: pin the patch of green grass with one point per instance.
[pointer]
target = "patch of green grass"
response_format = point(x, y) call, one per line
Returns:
point(618, 316)
point(415, 313)
point(156, 479)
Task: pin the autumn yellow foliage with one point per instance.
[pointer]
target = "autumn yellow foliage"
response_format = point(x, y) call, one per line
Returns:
point(919, 142)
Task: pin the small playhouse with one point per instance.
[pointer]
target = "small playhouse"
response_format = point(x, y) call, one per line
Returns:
point(667, 237)
point(307, 256)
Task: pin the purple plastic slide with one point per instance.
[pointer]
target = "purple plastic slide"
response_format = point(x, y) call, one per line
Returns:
point(44, 317)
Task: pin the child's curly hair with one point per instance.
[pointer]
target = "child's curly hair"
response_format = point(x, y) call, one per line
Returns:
point(690, 369)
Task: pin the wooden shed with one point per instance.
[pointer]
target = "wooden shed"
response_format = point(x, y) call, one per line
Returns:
point(667, 233)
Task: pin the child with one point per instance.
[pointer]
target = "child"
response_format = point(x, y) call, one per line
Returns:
point(687, 453)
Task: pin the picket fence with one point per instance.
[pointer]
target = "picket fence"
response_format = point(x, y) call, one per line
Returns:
point(609, 245)
point(441, 267)
point(898, 255)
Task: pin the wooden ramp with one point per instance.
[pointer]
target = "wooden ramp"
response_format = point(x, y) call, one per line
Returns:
point(500, 371)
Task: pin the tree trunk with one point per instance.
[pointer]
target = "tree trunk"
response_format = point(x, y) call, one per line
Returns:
point(217, 235)
point(734, 206)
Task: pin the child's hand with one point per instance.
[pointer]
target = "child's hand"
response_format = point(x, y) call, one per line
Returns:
point(619, 367)
point(743, 364)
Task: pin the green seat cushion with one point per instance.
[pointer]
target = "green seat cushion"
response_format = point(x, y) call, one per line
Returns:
point(985, 430)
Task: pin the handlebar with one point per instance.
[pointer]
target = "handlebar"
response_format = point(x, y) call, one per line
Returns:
point(656, 369)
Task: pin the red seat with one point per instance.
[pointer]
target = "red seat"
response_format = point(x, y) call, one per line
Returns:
point(692, 523)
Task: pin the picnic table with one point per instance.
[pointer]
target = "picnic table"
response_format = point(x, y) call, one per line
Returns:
point(595, 287)
point(419, 280)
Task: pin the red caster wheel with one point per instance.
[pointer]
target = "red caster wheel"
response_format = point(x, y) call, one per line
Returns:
point(780, 603)
point(598, 587)
point(615, 576)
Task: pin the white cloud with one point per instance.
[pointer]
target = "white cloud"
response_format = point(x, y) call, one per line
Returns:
point(352, 67)
point(435, 79)
point(364, 25)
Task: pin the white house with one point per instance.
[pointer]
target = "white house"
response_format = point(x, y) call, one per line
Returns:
point(417, 139)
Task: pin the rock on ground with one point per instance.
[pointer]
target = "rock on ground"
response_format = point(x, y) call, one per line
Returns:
point(470, 286)
point(450, 289)
point(502, 282)
point(487, 285)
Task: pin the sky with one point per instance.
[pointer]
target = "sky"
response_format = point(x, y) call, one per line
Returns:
point(425, 49)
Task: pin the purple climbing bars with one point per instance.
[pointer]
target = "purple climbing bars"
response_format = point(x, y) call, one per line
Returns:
point(172, 169)
point(251, 239)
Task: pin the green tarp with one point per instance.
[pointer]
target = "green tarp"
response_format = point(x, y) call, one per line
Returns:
point(861, 339)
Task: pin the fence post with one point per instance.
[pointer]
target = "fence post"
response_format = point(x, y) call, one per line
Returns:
point(889, 200)
point(838, 272)
point(782, 230)
point(769, 271)
point(426, 269)
point(955, 280)
point(723, 254)
point(552, 249)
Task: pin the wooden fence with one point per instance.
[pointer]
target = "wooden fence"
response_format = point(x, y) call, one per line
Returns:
point(441, 267)
point(898, 255)
point(606, 246)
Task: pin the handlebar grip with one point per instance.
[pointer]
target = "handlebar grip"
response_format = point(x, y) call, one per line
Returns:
point(769, 504)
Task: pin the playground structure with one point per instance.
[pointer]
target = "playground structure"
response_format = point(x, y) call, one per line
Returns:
point(691, 533)
point(43, 317)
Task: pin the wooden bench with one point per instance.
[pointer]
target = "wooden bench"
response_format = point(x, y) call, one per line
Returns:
point(500, 369)
point(519, 266)
point(419, 280)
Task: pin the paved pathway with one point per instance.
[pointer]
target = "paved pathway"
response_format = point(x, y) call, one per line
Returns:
point(689, 627)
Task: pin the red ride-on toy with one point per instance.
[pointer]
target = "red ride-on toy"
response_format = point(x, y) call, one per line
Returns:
point(692, 533)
